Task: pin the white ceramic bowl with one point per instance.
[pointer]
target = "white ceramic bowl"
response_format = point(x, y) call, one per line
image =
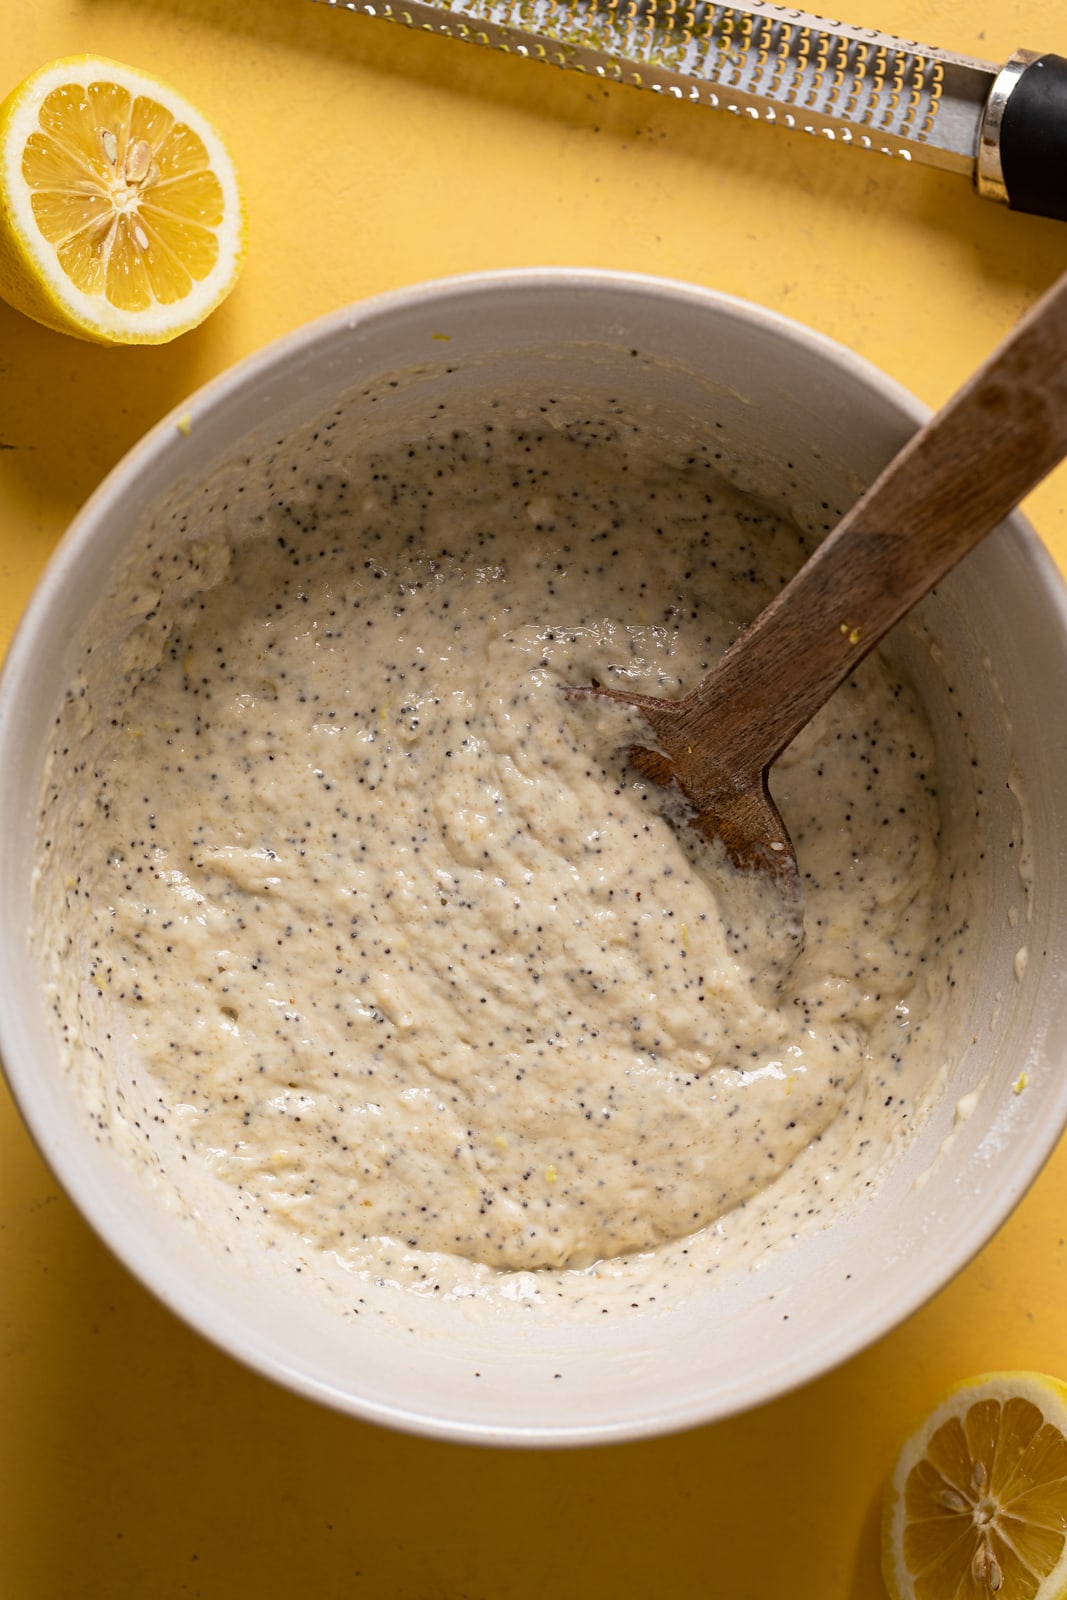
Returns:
point(822, 423)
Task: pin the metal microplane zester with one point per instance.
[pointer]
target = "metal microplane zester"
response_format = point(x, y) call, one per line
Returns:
point(1004, 127)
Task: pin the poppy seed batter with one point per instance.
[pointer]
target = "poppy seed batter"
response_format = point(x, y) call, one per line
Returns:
point(380, 925)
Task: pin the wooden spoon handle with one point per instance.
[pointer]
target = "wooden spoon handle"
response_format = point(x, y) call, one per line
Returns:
point(953, 482)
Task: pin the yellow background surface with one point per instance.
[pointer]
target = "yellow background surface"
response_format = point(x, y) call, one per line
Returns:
point(137, 1461)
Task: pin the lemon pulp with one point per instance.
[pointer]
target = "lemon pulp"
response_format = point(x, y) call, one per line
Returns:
point(977, 1507)
point(121, 217)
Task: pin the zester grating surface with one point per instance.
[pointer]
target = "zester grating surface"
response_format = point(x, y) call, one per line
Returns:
point(769, 62)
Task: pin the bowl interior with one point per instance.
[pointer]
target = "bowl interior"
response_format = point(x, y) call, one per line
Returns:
point(808, 425)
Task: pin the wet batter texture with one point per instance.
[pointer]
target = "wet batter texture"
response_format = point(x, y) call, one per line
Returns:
point(343, 899)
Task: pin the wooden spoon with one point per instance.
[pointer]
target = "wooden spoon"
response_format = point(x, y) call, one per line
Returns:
point(951, 484)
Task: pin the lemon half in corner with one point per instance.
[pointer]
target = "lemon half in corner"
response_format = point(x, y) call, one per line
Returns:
point(121, 218)
point(977, 1506)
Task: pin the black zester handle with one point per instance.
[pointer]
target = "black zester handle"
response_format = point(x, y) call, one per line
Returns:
point(1033, 140)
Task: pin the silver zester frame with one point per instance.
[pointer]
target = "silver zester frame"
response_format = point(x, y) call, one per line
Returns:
point(769, 62)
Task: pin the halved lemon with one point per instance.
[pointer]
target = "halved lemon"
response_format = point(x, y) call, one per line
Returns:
point(977, 1506)
point(121, 218)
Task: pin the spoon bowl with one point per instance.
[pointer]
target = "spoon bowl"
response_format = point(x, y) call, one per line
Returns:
point(949, 487)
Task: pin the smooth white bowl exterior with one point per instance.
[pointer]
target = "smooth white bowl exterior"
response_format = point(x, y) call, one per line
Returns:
point(823, 422)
